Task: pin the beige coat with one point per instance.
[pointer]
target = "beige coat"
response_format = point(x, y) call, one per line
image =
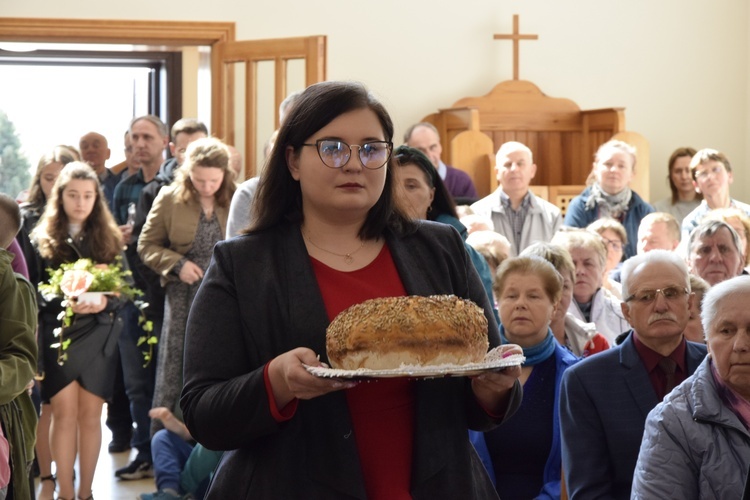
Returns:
point(169, 231)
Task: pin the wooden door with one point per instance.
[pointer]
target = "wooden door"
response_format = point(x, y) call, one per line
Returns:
point(225, 57)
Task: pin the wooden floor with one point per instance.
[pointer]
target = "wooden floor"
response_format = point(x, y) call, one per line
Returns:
point(106, 485)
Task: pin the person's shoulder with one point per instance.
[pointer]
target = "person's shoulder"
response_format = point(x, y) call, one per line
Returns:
point(663, 205)
point(596, 363)
point(544, 204)
point(249, 186)
point(566, 356)
point(457, 172)
point(485, 204)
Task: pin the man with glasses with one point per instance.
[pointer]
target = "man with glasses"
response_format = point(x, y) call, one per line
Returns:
point(712, 176)
point(516, 213)
point(604, 400)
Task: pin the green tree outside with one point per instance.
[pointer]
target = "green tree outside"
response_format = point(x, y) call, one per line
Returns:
point(14, 167)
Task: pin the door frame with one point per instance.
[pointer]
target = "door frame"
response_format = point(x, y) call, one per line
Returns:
point(119, 31)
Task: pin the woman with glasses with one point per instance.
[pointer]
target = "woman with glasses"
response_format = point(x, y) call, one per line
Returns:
point(712, 175)
point(592, 302)
point(615, 238)
point(326, 235)
point(610, 194)
point(186, 221)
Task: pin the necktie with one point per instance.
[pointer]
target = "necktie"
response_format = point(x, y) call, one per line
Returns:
point(668, 366)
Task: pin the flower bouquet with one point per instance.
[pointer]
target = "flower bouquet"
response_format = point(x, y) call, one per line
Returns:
point(86, 282)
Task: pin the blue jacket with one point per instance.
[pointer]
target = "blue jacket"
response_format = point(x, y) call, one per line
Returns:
point(564, 359)
point(578, 216)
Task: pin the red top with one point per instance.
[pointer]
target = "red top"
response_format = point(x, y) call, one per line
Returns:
point(382, 410)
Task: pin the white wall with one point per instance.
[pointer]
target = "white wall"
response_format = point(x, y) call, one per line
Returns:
point(679, 67)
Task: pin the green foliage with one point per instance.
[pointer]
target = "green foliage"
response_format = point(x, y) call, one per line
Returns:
point(14, 167)
point(107, 278)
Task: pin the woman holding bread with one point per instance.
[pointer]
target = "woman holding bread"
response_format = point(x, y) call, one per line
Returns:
point(327, 236)
point(524, 456)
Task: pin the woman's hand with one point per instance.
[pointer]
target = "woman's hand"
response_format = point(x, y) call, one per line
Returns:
point(492, 389)
point(89, 308)
point(190, 272)
point(290, 380)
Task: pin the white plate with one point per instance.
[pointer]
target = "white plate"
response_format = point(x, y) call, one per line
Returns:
point(493, 361)
point(93, 298)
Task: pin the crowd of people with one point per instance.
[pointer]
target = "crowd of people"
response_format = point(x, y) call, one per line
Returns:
point(636, 381)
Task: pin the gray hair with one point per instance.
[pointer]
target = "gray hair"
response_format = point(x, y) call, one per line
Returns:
point(739, 285)
point(654, 256)
point(512, 146)
point(155, 120)
point(410, 130)
point(709, 227)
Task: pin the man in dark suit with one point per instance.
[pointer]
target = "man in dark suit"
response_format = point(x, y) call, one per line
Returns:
point(604, 400)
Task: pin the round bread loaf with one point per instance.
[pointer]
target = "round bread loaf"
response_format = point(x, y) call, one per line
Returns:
point(386, 333)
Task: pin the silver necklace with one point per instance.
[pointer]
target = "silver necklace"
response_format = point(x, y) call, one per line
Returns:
point(348, 257)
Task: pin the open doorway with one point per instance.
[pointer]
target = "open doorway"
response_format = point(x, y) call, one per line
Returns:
point(55, 93)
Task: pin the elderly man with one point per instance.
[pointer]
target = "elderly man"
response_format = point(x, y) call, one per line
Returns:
point(658, 230)
point(696, 443)
point(604, 400)
point(714, 251)
point(95, 151)
point(515, 211)
point(424, 137)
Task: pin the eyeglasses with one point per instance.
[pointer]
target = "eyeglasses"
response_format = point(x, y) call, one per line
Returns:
point(670, 293)
point(715, 170)
point(613, 244)
point(336, 154)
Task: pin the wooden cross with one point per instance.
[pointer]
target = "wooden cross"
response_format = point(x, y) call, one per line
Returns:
point(516, 36)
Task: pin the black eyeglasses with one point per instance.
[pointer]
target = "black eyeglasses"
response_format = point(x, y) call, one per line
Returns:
point(648, 296)
point(336, 154)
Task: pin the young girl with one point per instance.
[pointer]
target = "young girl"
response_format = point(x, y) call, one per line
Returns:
point(77, 224)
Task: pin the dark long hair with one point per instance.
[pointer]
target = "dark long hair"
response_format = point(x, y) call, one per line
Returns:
point(51, 233)
point(442, 203)
point(279, 197)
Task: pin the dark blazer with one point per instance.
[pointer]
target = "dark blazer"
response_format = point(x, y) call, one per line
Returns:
point(604, 402)
point(260, 298)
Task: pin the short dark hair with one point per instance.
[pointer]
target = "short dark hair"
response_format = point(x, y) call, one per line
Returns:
point(279, 197)
point(188, 126)
point(442, 203)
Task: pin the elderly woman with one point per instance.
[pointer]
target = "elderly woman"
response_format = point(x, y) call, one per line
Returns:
point(524, 455)
point(610, 194)
point(684, 198)
point(577, 335)
point(592, 303)
point(712, 175)
point(694, 329)
point(696, 443)
point(615, 238)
